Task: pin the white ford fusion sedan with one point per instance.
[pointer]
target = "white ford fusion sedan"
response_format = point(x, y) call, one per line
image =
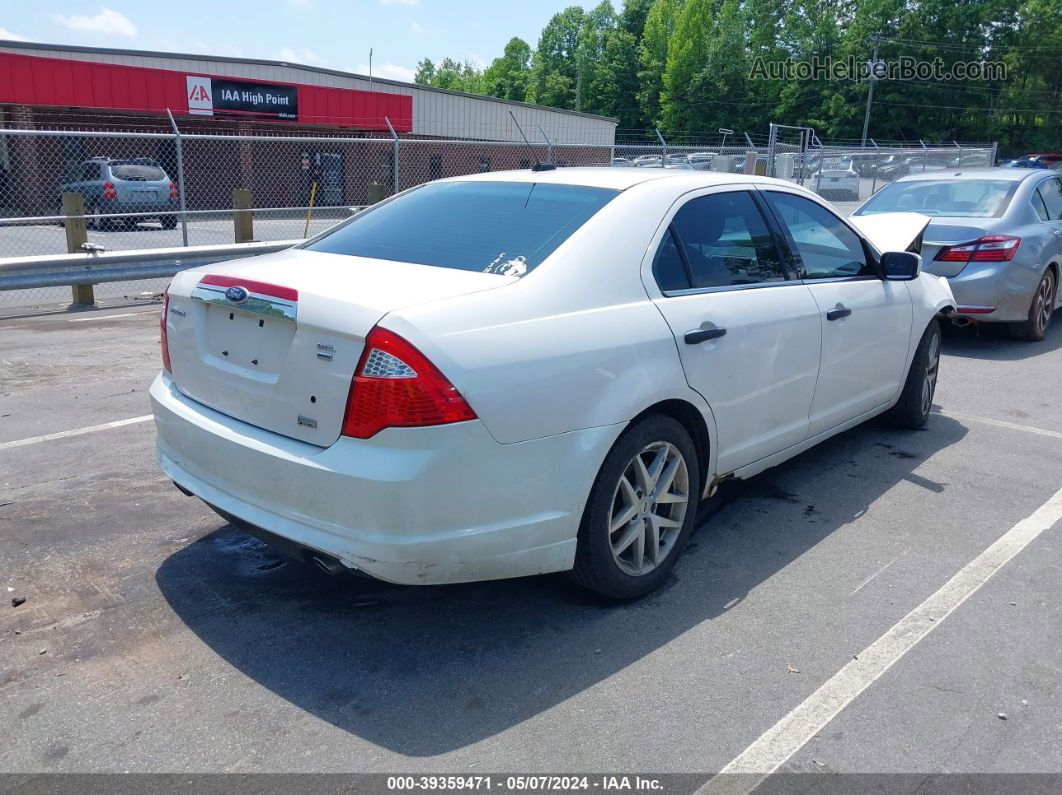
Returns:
point(515, 373)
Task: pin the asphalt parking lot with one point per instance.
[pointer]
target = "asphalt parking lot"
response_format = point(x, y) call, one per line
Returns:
point(154, 637)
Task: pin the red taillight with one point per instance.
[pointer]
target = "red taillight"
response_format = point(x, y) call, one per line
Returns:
point(173, 191)
point(163, 339)
point(990, 248)
point(395, 386)
point(108, 190)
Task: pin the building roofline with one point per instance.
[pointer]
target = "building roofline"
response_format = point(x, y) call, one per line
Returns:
point(32, 45)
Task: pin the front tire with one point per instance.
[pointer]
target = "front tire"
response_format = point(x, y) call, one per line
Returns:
point(912, 409)
point(1041, 310)
point(641, 510)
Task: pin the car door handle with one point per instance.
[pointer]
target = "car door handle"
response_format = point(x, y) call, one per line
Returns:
point(838, 312)
point(699, 335)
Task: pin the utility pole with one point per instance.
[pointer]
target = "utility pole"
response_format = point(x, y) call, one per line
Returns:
point(870, 94)
point(370, 69)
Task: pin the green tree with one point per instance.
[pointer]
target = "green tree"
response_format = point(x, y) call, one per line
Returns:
point(614, 86)
point(593, 34)
point(687, 54)
point(508, 77)
point(554, 69)
point(425, 72)
point(659, 29)
point(632, 18)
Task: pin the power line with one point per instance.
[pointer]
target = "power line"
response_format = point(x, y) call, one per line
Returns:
point(954, 46)
point(976, 107)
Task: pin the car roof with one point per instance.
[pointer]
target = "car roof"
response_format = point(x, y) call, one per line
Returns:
point(1004, 174)
point(620, 178)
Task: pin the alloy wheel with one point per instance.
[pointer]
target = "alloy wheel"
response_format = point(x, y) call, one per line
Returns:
point(648, 508)
point(1043, 302)
point(929, 381)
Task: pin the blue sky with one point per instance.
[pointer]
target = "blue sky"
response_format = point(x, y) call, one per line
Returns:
point(330, 33)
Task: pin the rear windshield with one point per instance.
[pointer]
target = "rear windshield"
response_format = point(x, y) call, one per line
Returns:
point(137, 172)
point(972, 198)
point(493, 227)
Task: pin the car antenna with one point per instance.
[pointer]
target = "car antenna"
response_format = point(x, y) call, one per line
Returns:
point(539, 165)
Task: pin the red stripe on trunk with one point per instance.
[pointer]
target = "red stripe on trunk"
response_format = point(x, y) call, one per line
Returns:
point(262, 288)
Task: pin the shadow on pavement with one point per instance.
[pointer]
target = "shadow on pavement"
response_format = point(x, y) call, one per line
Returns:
point(992, 341)
point(425, 670)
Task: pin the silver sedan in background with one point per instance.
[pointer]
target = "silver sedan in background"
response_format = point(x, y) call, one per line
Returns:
point(996, 235)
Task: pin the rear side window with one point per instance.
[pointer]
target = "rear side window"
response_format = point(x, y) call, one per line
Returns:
point(1039, 207)
point(668, 268)
point(726, 241)
point(1051, 193)
point(825, 246)
point(973, 198)
point(493, 227)
point(137, 172)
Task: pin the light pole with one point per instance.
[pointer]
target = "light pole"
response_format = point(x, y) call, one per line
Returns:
point(870, 95)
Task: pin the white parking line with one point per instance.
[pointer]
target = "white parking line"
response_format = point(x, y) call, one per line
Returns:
point(787, 736)
point(75, 432)
point(111, 317)
point(1004, 424)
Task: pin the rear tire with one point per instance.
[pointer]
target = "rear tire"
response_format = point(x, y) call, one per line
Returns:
point(1041, 310)
point(641, 510)
point(912, 409)
point(169, 221)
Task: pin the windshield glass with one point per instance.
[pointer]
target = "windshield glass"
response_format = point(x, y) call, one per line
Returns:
point(972, 198)
point(493, 227)
point(137, 172)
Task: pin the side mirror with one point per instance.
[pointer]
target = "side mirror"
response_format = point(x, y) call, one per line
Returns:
point(901, 266)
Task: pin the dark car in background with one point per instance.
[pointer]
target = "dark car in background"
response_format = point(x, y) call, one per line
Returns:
point(111, 188)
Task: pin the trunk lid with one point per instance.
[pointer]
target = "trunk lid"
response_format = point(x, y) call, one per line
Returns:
point(943, 232)
point(282, 358)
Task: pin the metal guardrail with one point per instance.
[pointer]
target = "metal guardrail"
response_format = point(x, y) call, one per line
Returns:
point(58, 270)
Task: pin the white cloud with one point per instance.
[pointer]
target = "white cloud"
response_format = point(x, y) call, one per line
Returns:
point(304, 56)
point(400, 2)
point(107, 20)
point(7, 34)
point(391, 71)
point(416, 27)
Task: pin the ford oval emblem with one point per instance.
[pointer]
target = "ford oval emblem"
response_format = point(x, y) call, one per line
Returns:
point(237, 295)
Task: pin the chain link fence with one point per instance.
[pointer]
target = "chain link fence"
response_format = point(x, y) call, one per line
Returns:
point(151, 190)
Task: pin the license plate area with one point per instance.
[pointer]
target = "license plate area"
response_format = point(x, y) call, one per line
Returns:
point(245, 342)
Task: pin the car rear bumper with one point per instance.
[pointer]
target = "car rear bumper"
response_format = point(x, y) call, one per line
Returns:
point(1004, 288)
point(431, 505)
point(118, 207)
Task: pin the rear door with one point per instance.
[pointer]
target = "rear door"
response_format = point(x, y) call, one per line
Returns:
point(865, 320)
point(747, 330)
point(1050, 194)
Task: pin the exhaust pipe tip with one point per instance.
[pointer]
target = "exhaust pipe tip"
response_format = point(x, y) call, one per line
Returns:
point(960, 321)
point(329, 565)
